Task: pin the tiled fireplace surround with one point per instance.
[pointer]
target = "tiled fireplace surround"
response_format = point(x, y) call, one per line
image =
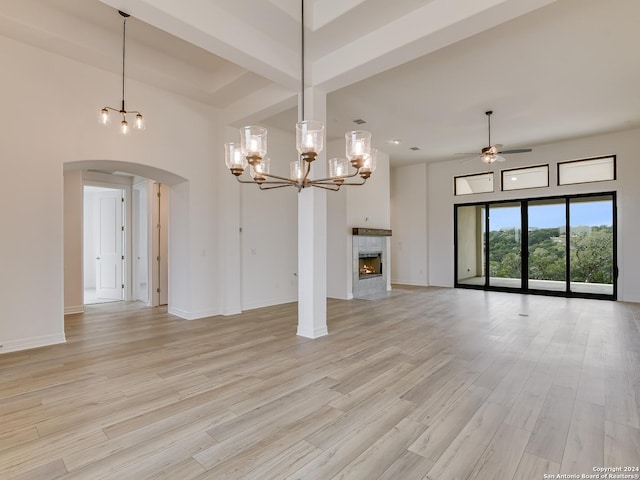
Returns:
point(367, 242)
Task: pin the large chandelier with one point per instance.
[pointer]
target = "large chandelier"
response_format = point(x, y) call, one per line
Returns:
point(251, 152)
point(105, 118)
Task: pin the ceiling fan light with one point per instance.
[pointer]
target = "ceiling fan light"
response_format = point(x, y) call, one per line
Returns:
point(488, 157)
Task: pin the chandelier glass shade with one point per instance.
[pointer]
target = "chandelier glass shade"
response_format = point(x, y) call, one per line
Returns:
point(251, 153)
point(105, 113)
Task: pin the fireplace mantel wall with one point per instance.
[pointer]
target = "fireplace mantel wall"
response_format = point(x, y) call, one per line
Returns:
point(368, 206)
point(374, 240)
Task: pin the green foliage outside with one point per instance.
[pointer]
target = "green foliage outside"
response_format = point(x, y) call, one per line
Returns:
point(590, 247)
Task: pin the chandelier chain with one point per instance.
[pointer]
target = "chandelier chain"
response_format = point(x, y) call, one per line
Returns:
point(302, 69)
point(124, 47)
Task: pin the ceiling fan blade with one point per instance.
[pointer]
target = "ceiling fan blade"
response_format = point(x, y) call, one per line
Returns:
point(515, 150)
point(500, 158)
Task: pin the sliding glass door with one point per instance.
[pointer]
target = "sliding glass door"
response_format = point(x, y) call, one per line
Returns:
point(547, 244)
point(591, 241)
point(505, 245)
point(558, 246)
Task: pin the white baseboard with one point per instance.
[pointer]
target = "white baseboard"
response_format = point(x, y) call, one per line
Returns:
point(408, 282)
point(72, 310)
point(346, 296)
point(316, 333)
point(178, 312)
point(28, 343)
point(231, 311)
point(269, 303)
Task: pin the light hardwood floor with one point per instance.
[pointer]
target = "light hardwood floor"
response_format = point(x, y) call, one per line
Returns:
point(425, 384)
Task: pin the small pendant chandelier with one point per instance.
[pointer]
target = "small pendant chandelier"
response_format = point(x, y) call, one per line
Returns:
point(252, 150)
point(105, 117)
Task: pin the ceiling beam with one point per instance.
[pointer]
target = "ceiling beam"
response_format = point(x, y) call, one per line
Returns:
point(259, 105)
point(327, 11)
point(214, 29)
point(436, 25)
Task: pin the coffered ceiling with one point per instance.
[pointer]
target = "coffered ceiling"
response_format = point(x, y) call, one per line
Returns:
point(419, 71)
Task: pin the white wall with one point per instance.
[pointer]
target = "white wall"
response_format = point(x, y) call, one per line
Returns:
point(31, 212)
point(409, 242)
point(338, 246)
point(73, 242)
point(369, 205)
point(229, 194)
point(54, 102)
point(439, 188)
point(269, 238)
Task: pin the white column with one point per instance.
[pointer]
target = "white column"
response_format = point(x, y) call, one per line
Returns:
point(312, 236)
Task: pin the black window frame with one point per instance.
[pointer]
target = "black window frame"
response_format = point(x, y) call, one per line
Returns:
point(615, 170)
point(524, 239)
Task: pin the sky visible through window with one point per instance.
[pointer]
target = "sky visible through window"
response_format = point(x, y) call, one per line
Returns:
point(593, 213)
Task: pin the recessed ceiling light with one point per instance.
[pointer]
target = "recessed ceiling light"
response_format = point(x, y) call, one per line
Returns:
point(414, 148)
point(395, 141)
point(359, 121)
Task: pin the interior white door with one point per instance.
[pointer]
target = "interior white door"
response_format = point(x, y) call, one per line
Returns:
point(109, 259)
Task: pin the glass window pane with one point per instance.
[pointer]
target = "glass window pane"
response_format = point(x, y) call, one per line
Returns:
point(547, 245)
point(470, 245)
point(521, 178)
point(583, 171)
point(591, 241)
point(468, 184)
point(505, 263)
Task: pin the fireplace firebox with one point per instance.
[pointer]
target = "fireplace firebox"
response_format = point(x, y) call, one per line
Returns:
point(370, 264)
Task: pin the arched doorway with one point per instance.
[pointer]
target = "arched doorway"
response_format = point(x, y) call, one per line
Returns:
point(156, 199)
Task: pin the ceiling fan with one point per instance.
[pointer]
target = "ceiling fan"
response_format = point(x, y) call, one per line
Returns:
point(493, 153)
